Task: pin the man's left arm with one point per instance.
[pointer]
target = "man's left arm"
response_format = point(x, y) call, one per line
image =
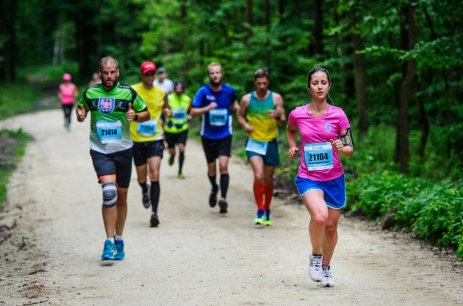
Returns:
point(279, 113)
point(139, 112)
point(166, 110)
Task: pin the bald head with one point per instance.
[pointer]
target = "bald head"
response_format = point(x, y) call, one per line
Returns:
point(109, 60)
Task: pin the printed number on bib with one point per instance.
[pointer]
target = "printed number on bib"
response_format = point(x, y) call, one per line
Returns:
point(109, 131)
point(259, 147)
point(147, 128)
point(318, 156)
point(179, 114)
point(218, 117)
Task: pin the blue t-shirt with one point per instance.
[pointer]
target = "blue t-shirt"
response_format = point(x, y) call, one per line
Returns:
point(217, 123)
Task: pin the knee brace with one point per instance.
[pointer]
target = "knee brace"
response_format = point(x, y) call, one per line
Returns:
point(109, 194)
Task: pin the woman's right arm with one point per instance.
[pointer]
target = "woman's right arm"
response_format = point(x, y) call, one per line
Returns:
point(291, 135)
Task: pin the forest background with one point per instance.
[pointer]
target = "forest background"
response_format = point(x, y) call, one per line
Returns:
point(396, 69)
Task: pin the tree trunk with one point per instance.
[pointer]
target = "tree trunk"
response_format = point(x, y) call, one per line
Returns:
point(7, 30)
point(423, 119)
point(87, 42)
point(58, 47)
point(281, 10)
point(316, 45)
point(249, 17)
point(359, 76)
point(407, 85)
point(183, 40)
point(267, 21)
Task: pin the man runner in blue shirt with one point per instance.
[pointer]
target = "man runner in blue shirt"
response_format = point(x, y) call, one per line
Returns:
point(215, 102)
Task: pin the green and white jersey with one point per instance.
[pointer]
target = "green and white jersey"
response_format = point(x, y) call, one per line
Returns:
point(109, 129)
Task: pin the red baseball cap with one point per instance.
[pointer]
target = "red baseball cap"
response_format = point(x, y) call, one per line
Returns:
point(147, 67)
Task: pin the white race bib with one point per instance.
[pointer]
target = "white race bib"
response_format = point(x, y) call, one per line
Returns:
point(147, 128)
point(318, 156)
point(259, 147)
point(109, 131)
point(218, 116)
point(179, 114)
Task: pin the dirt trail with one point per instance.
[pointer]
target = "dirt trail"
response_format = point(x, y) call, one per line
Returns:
point(196, 256)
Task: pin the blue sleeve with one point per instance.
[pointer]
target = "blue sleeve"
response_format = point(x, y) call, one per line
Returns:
point(234, 95)
point(198, 98)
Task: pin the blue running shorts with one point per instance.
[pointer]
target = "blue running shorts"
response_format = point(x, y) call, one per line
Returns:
point(334, 191)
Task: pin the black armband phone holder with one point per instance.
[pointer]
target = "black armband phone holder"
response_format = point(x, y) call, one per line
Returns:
point(347, 139)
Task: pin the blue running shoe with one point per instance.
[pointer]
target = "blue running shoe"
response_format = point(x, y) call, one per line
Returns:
point(120, 254)
point(108, 251)
point(268, 218)
point(259, 220)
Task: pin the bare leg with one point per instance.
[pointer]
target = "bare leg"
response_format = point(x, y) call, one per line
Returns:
point(331, 235)
point(109, 220)
point(223, 164)
point(121, 210)
point(109, 213)
point(257, 164)
point(142, 173)
point(171, 153)
point(318, 211)
point(154, 167)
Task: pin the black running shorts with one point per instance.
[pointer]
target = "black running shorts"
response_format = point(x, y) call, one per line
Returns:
point(118, 163)
point(144, 150)
point(213, 148)
point(176, 138)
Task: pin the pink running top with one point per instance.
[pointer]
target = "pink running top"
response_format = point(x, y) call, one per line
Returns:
point(319, 160)
point(67, 92)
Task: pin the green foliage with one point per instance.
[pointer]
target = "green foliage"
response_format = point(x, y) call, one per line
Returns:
point(12, 146)
point(432, 211)
point(45, 75)
point(375, 194)
point(22, 96)
point(428, 201)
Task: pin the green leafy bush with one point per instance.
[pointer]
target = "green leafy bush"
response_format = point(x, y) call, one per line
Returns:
point(433, 211)
point(12, 146)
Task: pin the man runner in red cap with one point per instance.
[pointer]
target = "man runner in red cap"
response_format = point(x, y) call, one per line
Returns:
point(148, 139)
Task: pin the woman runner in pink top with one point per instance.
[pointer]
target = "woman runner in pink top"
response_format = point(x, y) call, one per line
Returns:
point(325, 135)
point(67, 95)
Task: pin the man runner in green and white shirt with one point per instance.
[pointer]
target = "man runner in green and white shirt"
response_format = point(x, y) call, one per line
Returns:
point(112, 107)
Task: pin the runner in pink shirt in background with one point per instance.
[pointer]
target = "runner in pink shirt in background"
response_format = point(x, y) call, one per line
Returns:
point(325, 135)
point(67, 95)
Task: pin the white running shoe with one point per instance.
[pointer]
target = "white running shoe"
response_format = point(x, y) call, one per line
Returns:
point(327, 280)
point(315, 267)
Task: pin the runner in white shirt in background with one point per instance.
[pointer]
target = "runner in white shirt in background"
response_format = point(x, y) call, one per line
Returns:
point(162, 81)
